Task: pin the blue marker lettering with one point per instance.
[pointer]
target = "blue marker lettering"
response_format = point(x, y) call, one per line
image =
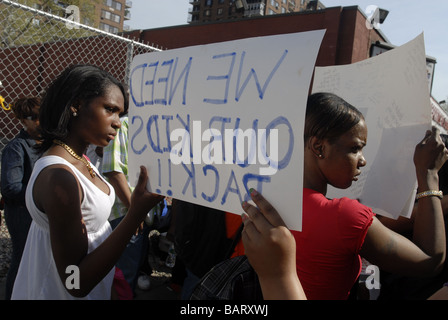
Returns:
point(139, 103)
point(151, 82)
point(191, 178)
point(274, 123)
point(185, 73)
point(252, 73)
point(222, 77)
point(230, 189)
point(215, 194)
point(259, 179)
point(165, 80)
point(138, 130)
point(187, 129)
point(151, 120)
point(167, 118)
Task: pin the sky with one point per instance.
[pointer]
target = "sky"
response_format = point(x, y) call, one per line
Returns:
point(406, 20)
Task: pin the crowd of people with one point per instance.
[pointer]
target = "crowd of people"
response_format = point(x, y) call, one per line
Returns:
point(64, 209)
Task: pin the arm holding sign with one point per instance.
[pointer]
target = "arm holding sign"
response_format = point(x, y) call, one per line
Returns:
point(405, 225)
point(270, 248)
point(426, 253)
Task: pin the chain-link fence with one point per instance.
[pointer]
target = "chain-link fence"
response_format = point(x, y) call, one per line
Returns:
point(36, 46)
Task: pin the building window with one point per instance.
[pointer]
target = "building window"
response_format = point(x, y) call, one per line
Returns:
point(209, 3)
point(110, 16)
point(220, 11)
point(113, 4)
point(105, 14)
point(108, 28)
point(207, 13)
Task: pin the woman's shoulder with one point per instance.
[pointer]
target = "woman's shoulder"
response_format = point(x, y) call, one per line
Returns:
point(346, 208)
point(56, 169)
point(48, 160)
point(15, 143)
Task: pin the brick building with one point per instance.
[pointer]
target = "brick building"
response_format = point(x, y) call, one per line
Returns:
point(347, 39)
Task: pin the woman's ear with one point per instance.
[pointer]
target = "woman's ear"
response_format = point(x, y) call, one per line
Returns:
point(74, 111)
point(316, 146)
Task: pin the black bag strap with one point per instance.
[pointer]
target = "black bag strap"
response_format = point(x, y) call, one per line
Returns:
point(235, 241)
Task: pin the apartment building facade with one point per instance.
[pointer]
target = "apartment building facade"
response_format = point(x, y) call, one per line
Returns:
point(216, 10)
point(106, 15)
point(110, 15)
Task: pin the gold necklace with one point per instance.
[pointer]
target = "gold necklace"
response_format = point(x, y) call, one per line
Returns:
point(76, 156)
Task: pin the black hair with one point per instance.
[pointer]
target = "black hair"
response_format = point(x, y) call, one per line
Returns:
point(328, 116)
point(23, 107)
point(76, 86)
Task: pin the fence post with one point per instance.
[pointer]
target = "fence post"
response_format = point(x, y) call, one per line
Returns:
point(129, 56)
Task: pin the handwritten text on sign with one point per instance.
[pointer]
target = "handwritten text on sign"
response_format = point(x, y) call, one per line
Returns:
point(210, 122)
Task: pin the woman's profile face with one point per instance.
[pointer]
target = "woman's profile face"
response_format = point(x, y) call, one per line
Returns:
point(343, 159)
point(100, 120)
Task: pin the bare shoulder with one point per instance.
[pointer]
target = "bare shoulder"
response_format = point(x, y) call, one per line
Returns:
point(56, 185)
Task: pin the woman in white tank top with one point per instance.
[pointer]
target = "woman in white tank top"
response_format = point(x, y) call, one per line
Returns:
point(71, 250)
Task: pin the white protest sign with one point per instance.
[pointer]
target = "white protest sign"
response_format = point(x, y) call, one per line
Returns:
point(392, 92)
point(212, 121)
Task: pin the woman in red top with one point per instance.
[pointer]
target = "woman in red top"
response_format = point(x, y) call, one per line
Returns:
point(336, 232)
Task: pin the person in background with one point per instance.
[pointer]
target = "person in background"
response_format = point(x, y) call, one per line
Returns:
point(71, 249)
point(115, 169)
point(95, 155)
point(200, 240)
point(18, 158)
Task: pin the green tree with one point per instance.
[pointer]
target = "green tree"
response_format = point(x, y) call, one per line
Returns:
point(22, 27)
